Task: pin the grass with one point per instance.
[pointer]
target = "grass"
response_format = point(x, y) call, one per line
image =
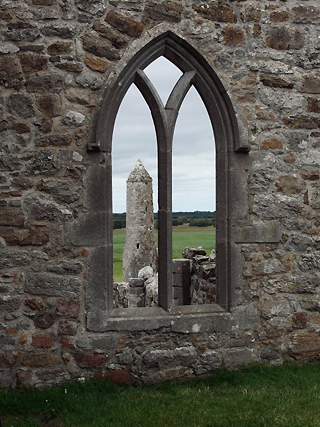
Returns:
point(258, 396)
point(182, 237)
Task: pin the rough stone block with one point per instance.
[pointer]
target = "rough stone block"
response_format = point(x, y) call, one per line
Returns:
point(68, 308)
point(165, 359)
point(43, 320)
point(35, 236)
point(304, 346)
point(106, 342)
point(181, 266)
point(48, 284)
point(239, 357)
point(54, 140)
point(11, 259)
point(126, 25)
point(257, 232)
point(42, 341)
point(42, 208)
point(99, 47)
point(44, 83)
point(21, 105)
point(210, 358)
point(12, 217)
point(10, 303)
point(31, 63)
point(39, 360)
point(90, 361)
point(164, 11)
point(281, 38)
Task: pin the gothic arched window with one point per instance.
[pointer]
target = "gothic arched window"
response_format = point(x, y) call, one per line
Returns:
point(229, 141)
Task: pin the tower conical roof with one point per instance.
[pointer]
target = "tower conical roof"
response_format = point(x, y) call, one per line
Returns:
point(139, 173)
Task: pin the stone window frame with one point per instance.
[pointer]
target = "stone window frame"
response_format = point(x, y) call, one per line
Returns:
point(231, 142)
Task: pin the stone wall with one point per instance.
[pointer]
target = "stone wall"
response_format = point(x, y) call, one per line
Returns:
point(56, 59)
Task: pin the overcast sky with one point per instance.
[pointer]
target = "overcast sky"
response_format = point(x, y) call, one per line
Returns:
point(193, 145)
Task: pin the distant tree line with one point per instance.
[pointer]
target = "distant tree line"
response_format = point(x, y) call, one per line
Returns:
point(194, 219)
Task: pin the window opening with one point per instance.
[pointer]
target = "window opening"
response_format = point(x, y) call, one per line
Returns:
point(194, 203)
point(230, 129)
point(134, 138)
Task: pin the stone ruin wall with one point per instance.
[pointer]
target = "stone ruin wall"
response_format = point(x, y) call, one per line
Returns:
point(56, 56)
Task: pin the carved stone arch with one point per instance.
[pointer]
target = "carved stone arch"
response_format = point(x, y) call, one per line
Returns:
point(230, 138)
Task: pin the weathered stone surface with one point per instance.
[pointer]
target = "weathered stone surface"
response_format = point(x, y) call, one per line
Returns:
point(118, 39)
point(10, 303)
point(49, 105)
point(36, 236)
point(13, 217)
point(99, 47)
point(263, 205)
point(233, 36)
point(283, 38)
point(10, 64)
point(90, 361)
point(310, 83)
point(60, 48)
point(313, 105)
point(39, 360)
point(35, 303)
point(279, 16)
point(8, 360)
point(51, 285)
point(302, 121)
point(103, 343)
point(58, 30)
point(54, 140)
point(33, 63)
point(73, 118)
point(126, 25)
point(94, 7)
point(67, 343)
point(11, 258)
point(164, 11)
point(89, 80)
point(276, 82)
point(21, 105)
point(67, 327)
point(19, 31)
point(272, 144)
point(311, 175)
point(97, 64)
point(42, 208)
point(299, 320)
point(290, 185)
point(165, 359)
point(43, 320)
point(71, 67)
point(217, 12)
point(42, 341)
point(68, 308)
point(44, 83)
point(304, 346)
point(306, 13)
point(253, 12)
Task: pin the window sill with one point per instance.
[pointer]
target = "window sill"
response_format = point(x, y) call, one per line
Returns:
point(184, 319)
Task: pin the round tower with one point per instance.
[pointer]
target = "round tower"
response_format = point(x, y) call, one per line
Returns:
point(140, 248)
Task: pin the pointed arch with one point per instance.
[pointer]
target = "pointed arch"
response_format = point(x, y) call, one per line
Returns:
point(230, 138)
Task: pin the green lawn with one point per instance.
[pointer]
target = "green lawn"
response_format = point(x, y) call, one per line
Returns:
point(182, 237)
point(259, 396)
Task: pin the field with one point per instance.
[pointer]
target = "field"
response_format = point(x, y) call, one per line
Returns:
point(182, 237)
point(258, 396)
